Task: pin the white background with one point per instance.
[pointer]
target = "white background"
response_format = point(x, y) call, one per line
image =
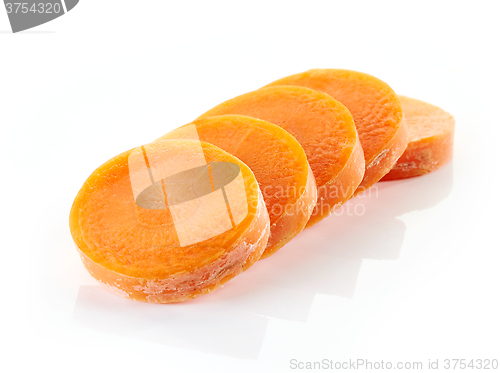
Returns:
point(416, 277)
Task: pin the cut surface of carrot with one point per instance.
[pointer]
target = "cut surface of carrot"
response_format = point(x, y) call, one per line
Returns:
point(375, 108)
point(278, 162)
point(169, 221)
point(430, 132)
point(322, 126)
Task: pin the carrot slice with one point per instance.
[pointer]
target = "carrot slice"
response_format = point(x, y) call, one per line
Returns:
point(278, 162)
point(169, 221)
point(375, 108)
point(324, 128)
point(430, 131)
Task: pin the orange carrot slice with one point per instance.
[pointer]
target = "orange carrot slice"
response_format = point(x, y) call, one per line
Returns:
point(278, 162)
point(430, 146)
point(324, 128)
point(375, 108)
point(169, 221)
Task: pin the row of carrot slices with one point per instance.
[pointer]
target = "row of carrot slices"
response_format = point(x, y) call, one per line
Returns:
point(172, 219)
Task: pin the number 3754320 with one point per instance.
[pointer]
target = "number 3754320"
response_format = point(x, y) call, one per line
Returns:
point(25, 8)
